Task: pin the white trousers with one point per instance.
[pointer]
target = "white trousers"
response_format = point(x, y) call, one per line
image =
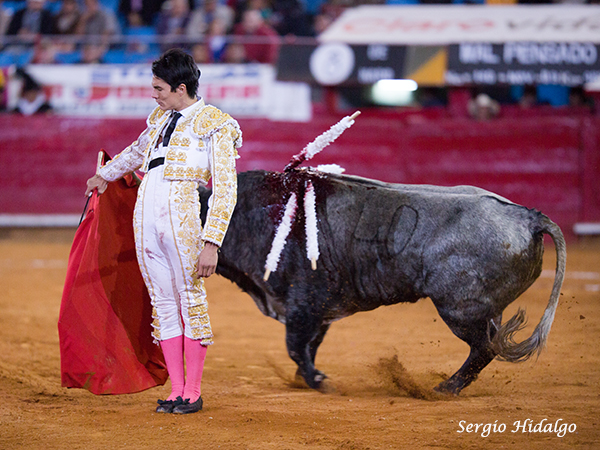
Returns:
point(167, 230)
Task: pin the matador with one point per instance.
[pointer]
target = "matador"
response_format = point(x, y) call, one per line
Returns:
point(185, 144)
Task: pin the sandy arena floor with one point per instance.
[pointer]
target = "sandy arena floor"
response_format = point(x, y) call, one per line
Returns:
point(251, 401)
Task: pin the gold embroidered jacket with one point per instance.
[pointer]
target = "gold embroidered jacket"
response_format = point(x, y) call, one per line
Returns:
point(203, 145)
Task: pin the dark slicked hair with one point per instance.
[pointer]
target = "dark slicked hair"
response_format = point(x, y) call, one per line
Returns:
point(176, 67)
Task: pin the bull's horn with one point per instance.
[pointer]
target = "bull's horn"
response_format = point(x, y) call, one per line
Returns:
point(355, 115)
point(267, 274)
point(313, 263)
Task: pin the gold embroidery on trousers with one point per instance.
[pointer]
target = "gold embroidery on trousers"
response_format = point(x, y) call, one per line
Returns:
point(139, 236)
point(186, 212)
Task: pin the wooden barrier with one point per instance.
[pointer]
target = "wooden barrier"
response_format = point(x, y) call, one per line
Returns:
point(549, 162)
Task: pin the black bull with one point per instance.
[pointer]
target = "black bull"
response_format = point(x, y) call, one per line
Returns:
point(472, 252)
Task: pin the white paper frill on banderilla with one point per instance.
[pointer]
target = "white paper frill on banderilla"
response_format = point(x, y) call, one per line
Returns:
point(310, 200)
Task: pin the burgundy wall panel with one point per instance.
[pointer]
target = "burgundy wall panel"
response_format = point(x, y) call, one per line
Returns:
point(590, 161)
point(546, 162)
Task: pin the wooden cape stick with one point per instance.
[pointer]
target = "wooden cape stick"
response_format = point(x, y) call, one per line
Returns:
point(99, 163)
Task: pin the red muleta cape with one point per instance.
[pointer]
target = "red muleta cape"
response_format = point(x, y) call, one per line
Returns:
point(105, 317)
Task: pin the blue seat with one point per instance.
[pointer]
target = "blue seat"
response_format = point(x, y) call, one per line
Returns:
point(554, 95)
point(142, 40)
point(19, 58)
point(53, 7)
point(68, 57)
point(114, 57)
point(142, 31)
point(13, 5)
point(24, 58)
point(7, 59)
point(125, 57)
point(113, 5)
point(142, 58)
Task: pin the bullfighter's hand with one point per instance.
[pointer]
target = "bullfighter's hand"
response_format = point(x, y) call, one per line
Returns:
point(207, 260)
point(96, 182)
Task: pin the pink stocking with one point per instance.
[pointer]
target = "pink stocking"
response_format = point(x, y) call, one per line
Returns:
point(173, 351)
point(195, 353)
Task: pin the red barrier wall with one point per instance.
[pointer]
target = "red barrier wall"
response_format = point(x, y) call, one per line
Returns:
point(590, 161)
point(551, 163)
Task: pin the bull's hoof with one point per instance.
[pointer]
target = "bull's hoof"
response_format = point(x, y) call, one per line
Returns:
point(448, 387)
point(326, 387)
point(316, 382)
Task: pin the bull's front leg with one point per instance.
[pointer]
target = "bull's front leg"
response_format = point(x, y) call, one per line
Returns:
point(304, 333)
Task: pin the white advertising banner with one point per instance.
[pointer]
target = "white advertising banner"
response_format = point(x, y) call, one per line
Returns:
point(453, 24)
point(242, 90)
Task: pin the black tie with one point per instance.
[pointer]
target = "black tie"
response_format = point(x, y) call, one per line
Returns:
point(170, 128)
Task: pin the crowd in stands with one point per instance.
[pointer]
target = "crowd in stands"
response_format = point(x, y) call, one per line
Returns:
point(87, 31)
point(213, 31)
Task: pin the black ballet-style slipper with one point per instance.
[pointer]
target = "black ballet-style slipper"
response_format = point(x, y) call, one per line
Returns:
point(188, 408)
point(167, 406)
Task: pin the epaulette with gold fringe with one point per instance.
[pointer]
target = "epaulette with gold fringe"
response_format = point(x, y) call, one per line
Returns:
point(209, 120)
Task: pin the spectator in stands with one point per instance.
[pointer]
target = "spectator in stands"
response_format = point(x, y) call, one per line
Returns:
point(577, 97)
point(173, 21)
point(67, 18)
point(31, 21)
point(262, 44)
point(44, 52)
point(32, 99)
point(200, 53)
point(333, 8)
point(2, 87)
point(529, 97)
point(93, 53)
point(97, 21)
point(264, 6)
point(290, 18)
point(321, 22)
point(216, 40)
point(483, 107)
point(430, 97)
point(202, 18)
point(140, 12)
point(235, 53)
point(66, 22)
point(4, 19)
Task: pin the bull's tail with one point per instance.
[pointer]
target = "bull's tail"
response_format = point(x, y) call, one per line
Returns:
point(503, 342)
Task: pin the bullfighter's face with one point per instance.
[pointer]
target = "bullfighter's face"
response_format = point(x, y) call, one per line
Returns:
point(165, 98)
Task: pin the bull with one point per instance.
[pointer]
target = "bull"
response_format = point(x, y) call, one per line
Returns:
point(469, 250)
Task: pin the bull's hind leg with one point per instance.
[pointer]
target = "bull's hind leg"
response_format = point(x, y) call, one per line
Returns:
point(314, 344)
point(478, 335)
point(304, 334)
